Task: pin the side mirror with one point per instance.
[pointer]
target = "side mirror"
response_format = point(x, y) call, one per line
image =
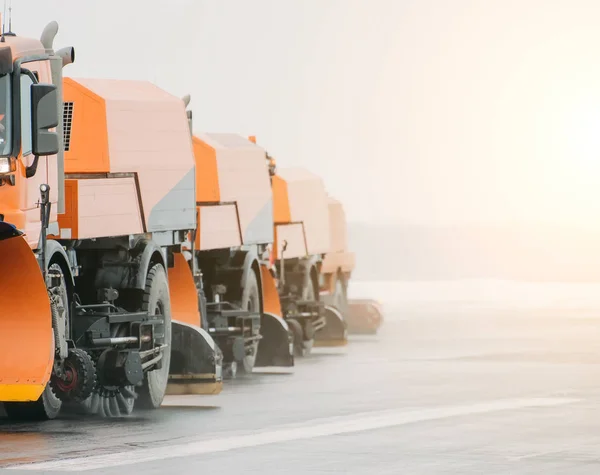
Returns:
point(44, 116)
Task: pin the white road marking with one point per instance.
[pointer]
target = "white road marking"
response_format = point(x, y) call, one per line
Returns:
point(516, 458)
point(311, 429)
point(274, 370)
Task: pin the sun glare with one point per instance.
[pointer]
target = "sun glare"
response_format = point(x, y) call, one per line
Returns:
point(583, 137)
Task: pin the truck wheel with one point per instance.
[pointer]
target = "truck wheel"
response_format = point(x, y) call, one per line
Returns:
point(79, 377)
point(156, 300)
point(339, 296)
point(297, 334)
point(47, 407)
point(250, 302)
point(308, 334)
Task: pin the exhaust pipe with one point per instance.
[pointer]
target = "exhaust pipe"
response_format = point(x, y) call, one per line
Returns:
point(67, 55)
point(58, 60)
point(186, 102)
point(48, 35)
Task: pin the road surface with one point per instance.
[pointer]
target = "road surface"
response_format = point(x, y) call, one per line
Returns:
point(440, 390)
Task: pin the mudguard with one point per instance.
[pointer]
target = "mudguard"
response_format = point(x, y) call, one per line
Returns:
point(26, 339)
point(184, 295)
point(334, 333)
point(196, 362)
point(53, 248)
point(275, 347)
point(364, 316)
point(271, 302)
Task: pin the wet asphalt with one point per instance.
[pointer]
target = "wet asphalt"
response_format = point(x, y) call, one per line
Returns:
point(439, 390)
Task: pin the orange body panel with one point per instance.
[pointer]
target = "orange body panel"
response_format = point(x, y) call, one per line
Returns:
point(231, 170)
point(88, 148)
point(217, 227)
point(299, 197)
point(70, 218)
point(281, 202)
point(207, 174)
point(100, 207)
point(26, 325)
point(135, 128)
point(184, 296)
point(271, 302)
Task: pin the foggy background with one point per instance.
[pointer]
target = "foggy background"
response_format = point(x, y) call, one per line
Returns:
point(462, 136)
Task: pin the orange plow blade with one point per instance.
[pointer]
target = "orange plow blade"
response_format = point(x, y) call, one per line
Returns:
point(196, 361)
point(26, 340)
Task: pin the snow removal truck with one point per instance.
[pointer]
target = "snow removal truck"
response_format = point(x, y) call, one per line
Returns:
point(361, 316)
point(96, 208)
point(302, 239)
point(230, 253)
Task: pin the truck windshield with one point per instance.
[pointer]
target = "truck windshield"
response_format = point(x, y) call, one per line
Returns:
point(5, 115)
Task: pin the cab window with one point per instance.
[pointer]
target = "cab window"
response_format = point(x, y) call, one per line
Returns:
point(5, 116)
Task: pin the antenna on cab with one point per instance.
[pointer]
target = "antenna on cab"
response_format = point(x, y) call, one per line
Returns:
point(2, 40)
point(10, 17)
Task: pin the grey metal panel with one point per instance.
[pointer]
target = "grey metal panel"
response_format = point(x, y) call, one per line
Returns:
point(177, 209)
point(260, 229)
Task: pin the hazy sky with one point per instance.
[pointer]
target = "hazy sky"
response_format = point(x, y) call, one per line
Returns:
point(431, 111)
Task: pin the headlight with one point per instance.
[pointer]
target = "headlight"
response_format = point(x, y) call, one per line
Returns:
point(7, 165)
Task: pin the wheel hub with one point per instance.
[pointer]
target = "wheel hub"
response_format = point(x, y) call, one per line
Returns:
point(77, 379)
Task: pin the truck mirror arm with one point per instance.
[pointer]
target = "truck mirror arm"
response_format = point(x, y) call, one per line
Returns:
point(31, 170)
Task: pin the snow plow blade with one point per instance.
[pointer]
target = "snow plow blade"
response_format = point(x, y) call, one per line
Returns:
point(364, 316)
point(334, 332)
point(275, 347)
point(26, 341)
point(196, 360)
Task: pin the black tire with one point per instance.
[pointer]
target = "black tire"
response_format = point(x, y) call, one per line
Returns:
point(156, 299)
point(308, 337)
point(340, 301)
point(297, 335)
point(47, 407)
point(230, 370)
point(79, 363)
point(250, 302)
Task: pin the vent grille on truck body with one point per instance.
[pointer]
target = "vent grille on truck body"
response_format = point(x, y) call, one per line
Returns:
point(67, 123)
